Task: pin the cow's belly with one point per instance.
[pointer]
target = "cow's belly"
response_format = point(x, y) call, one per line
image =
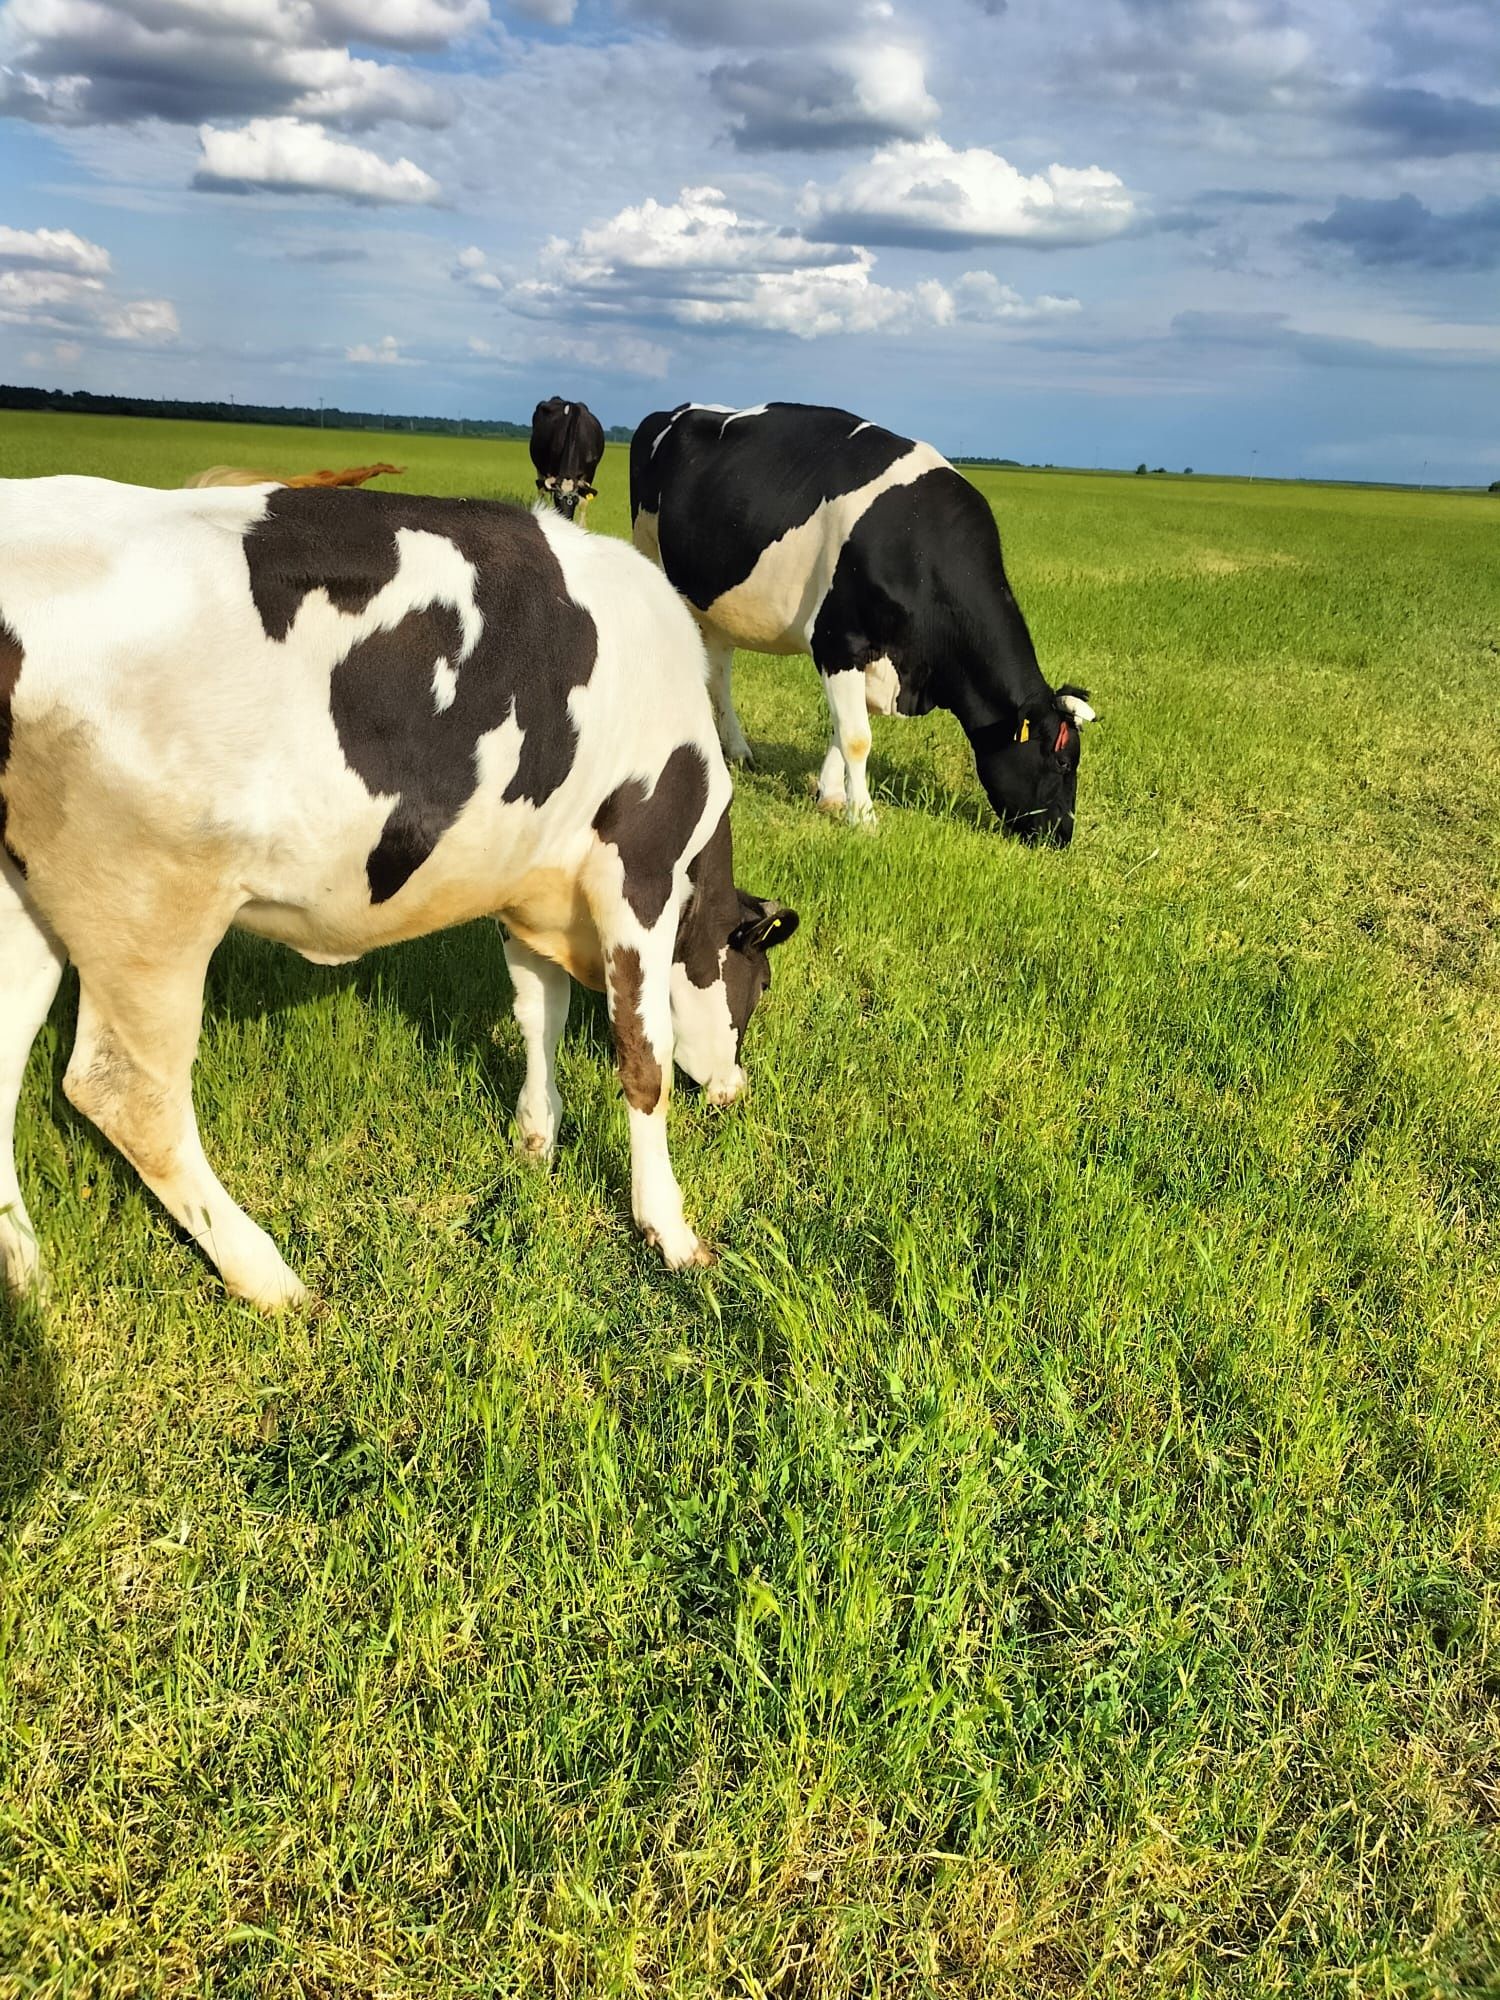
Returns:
point(494, 863)
point(774, 609)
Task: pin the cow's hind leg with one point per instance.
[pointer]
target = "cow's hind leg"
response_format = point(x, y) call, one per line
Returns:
point(543, 991)
point(842, 780)
point(31, 964)
point(139, 1014)
point(638, 987)
point(732, 738)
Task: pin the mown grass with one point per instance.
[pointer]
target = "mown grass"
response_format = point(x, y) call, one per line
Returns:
point(1054, 1553)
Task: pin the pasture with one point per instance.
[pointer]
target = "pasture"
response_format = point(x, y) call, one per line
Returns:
point(1055, 1552)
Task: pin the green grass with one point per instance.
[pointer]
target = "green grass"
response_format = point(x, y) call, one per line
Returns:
point(1055, 1553)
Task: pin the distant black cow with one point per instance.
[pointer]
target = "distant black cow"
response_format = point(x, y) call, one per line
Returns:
point(795, 529)
point(567, 443)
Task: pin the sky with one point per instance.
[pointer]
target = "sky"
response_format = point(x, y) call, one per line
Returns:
point(1239, 235)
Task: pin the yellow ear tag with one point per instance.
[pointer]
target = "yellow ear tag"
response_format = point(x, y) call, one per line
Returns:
point(1025, 735)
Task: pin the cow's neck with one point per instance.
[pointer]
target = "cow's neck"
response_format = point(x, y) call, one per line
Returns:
point(989, 673)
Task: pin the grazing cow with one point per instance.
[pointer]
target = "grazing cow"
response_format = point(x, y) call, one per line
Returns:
point(567, 443)
point(238, 475)
point(794, 529)
point(340, 719)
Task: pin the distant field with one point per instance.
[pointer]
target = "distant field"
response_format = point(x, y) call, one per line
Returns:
point(1056, 1551)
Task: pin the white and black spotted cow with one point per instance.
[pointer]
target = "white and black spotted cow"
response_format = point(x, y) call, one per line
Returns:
point(795, 529)
point(339, 719)
point(567, 443)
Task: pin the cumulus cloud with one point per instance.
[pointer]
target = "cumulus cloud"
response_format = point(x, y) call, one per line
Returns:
point(1405, 232)
point(51, 250)
point(383, 353)
point(856, 95)
point(55, 281)
point(81, 62)
point(286, 156)
point(472, 267)
point(929, 194)
point(697, 263)
point(1231, 56)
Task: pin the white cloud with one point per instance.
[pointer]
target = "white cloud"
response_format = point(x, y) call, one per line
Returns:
point(1205, 55)
point(472, 268)
point(698, 232)
point(403, 24)
point(613, 353)
point(926, 193)
point(81, 62)
point(857, 94)
point(54, 281)
point(385, 353)
point(51, 249)
point(285, 156)
point(697, 263)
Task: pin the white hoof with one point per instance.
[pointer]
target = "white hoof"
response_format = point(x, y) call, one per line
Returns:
point(729, 1091)
point(265, 1281)
point(21, 1264)
point(681, 1250)
point(830, 802)
point(280, 1295)
point(533, 1145)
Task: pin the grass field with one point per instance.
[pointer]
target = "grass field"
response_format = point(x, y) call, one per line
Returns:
point(1056, 1552)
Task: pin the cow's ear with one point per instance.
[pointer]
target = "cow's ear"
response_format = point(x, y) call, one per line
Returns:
point(766, 923)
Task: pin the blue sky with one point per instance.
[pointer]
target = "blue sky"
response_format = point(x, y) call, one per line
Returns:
point(1085, 231)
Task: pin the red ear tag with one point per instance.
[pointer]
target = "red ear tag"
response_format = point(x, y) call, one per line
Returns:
point(1062, 739)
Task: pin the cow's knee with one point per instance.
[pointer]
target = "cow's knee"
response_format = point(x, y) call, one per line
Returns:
point(135, 1114)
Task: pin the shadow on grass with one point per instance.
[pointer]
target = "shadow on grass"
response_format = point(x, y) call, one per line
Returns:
point(789, 771)
point(452, 988)
point(30, 1409)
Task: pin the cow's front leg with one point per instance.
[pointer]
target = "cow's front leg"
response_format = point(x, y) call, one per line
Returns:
point(638, 965)
point(543, 990)
point(850, 749)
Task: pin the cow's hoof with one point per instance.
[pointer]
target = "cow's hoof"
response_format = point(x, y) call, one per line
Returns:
point(740, 753)
point(682, 1253)
point(831, 802)
point(21, 1271)
point(283, 1292)
point(730, 1091)
point(536, 1148)
point(862, 817)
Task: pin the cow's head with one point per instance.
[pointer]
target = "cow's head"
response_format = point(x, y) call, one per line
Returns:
point(1029, 770)
point(722, 968)
point(566, 495)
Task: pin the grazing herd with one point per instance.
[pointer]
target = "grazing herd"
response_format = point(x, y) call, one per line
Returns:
point(339, 719)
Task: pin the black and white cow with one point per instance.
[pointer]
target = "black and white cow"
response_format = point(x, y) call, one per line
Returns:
point(567, 443)
point(339, 719)
point(795, 529)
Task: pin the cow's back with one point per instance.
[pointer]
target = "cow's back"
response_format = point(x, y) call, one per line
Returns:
point(366, 714)
point(748, 511)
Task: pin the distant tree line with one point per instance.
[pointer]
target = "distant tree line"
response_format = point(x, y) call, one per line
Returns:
point(84, 402)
